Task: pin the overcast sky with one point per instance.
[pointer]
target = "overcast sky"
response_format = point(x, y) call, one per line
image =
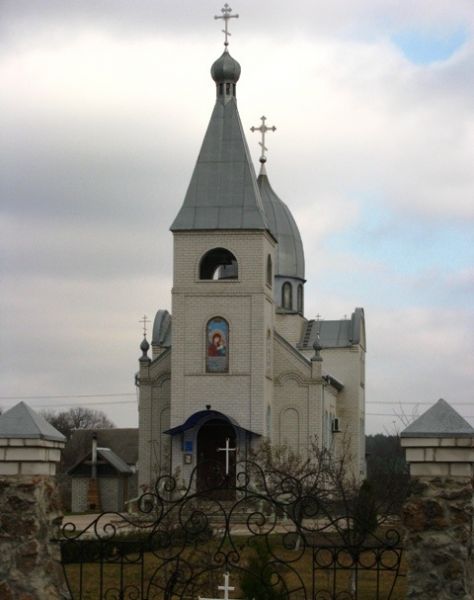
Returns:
point(104, 104)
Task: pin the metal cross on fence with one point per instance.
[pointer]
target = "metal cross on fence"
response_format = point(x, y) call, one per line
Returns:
point(226, 16)
point(226, 589)
point(263, 130)
point(227, 451)
point(145, 320)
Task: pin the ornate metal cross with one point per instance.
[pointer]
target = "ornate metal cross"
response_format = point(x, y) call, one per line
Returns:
point(263, 130)
point(145, 320)
point(226, 16)
point(227, 451)
point(226, 589)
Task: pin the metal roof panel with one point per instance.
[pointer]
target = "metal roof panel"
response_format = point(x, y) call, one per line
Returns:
point(21, 421)
point(223, 177)
point(441, 420)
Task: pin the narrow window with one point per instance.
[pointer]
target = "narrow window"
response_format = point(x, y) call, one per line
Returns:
point(287, 296)
point(227, 88)
point(300, 298)
point(218, 263)
point(269, 422)
point(217, 345)
point(269, 270)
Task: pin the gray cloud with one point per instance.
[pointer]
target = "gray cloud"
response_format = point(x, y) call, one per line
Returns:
point(104, 107)
point(367, 18)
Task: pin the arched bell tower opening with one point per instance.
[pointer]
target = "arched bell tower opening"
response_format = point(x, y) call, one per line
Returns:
point(218, 263)
point(216, 465)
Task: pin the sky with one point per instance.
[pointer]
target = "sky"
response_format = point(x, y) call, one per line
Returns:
point(104, 107)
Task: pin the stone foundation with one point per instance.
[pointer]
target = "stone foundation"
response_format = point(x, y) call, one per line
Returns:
point(438, 517)
point(30, 517)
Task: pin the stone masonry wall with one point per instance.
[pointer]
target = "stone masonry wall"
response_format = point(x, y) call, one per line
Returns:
point(30, 515)
point(438, 518)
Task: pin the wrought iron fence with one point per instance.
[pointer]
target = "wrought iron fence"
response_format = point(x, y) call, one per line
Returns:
point(266, 535)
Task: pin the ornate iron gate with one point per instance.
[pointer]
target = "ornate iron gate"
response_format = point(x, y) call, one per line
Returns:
point(277, 539)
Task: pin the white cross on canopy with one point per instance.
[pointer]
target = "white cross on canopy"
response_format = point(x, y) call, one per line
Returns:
point(227, 451)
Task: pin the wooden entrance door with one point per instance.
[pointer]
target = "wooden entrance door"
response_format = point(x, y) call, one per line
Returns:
point(212, 479)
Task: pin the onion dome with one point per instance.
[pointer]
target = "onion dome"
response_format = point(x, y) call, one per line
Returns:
point(225, 69)
point(317, 349)
point(144, 347)
point(289, 254)
point(161, 335)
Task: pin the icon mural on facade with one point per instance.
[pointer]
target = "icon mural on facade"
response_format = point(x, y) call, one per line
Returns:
point(217, 357)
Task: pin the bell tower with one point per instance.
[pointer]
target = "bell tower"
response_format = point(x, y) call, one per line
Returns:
point(222, 297)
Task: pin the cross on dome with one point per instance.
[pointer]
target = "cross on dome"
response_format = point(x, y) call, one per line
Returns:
point(226, 16)
point(145, 320)
point(263, 130)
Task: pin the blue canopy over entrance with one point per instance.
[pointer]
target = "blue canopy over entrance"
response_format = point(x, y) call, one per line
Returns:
point(208, 414)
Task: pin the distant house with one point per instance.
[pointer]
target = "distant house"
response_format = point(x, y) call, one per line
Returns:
point(102, 464)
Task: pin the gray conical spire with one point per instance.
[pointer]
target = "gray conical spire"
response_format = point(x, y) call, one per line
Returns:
point(223, 192)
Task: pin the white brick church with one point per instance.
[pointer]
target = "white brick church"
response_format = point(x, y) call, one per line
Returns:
point(237, 361)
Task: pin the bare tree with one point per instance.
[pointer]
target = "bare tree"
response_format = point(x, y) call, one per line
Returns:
point(323, 484)
point(77, 418)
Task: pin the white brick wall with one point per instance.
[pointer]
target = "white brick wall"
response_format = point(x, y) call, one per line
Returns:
point(153, 411)
point(345, 364)
point(247, 305)
point(265, 377)
point(79, 489)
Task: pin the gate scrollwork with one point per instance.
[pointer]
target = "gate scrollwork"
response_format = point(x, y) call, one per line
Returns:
point(268, 535)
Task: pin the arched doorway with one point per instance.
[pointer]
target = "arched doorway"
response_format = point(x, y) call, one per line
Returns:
point(213, 438)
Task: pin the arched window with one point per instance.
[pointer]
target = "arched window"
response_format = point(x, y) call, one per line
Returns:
point(300, 298)
point(218, 263)
point(287, 296)
point(269, 270)
point(217, 345)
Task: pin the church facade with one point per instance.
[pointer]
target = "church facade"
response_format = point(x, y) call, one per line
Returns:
point(237, 361)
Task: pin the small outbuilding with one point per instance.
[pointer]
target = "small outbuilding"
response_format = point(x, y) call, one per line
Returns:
point(105, 476)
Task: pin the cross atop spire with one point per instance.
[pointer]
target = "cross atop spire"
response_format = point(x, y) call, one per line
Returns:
point(263, 130)
point(226, 16)
point(145, 320)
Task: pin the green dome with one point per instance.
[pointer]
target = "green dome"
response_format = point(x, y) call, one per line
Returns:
point(225, 69)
